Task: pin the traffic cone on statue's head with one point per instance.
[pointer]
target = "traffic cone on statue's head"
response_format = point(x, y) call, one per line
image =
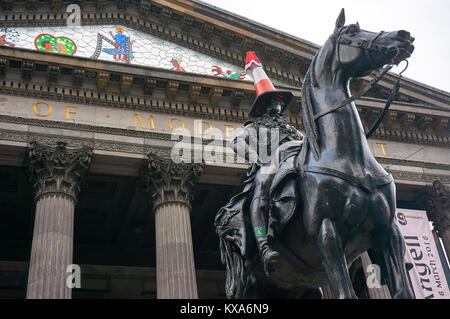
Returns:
point(264, 87)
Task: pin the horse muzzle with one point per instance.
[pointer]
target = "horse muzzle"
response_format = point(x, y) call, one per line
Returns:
point(400, 46)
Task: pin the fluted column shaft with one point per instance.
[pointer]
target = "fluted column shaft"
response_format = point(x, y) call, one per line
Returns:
point(169, 187)
point(56, 172)
point(327, 292)
point(445, 236)
point(52, 248)
point(438, 209)
point(374, 293)
point(174, 253)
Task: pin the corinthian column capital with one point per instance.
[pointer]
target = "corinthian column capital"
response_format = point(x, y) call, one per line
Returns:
point(166, 181)
point(438, 206)
point(57, 169)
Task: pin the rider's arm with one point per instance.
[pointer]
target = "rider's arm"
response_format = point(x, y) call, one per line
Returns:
point(298, 134)
point(241, 143)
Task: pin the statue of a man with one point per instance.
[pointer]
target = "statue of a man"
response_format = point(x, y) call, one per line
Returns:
point(261, 142)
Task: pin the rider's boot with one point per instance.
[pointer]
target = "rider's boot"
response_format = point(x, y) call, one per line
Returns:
point(259, 210)
point(269, 257)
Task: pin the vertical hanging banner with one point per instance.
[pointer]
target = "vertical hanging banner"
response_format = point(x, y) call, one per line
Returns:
point(427, 275)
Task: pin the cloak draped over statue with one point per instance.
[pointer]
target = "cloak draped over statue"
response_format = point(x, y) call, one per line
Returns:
point(233, 221)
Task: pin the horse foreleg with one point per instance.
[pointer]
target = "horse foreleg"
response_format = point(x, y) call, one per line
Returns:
point(333, 260)
point(393, 254)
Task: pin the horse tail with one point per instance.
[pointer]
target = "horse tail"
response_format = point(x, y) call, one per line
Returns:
point(236, 278)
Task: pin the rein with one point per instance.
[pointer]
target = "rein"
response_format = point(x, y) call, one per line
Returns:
point(388, 104)
point(356, 96)
point(367, 47)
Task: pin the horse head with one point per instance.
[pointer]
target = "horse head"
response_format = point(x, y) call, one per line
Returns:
point(358, 52)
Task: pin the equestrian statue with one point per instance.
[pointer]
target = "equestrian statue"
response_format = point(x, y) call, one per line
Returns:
point(312, 203)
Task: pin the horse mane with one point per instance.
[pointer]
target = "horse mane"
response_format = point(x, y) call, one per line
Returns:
point(311, 131)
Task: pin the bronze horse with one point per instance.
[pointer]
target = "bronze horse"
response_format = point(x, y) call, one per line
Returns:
point(345, 200)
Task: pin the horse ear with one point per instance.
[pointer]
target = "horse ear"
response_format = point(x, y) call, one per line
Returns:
point(340, 22)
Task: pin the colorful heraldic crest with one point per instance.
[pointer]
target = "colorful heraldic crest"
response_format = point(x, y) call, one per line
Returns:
point(176, 64)
point(49, 43)
point(9, 37)
point(216, 70)
point(122, 50)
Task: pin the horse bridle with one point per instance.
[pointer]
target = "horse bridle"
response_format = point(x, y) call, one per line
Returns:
point(367, 46)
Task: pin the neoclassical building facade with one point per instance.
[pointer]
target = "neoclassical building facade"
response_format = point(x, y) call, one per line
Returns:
point(94, 113)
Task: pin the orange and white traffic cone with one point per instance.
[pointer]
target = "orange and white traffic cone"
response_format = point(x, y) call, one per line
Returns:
point(264, 87)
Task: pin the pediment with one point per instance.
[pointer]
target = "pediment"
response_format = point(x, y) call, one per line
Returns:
point(117, 43)
point(204, 29)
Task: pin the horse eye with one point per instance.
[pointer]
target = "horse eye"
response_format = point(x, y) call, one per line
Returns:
point(352, 29)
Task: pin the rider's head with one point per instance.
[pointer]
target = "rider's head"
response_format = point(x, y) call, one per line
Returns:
point(275, 105)
point(268, 99)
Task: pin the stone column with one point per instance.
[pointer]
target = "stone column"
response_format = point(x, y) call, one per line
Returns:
point(438, 209)
point(170, 188)
point(327, 292)
point(374, 293)
point(55, 172)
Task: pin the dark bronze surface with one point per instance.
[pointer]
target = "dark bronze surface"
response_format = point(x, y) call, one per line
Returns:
point(333, 201)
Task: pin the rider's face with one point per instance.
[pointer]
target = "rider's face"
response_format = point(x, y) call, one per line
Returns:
point(275, 107)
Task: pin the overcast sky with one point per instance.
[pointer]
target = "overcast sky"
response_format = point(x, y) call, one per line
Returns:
point(313, 20)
